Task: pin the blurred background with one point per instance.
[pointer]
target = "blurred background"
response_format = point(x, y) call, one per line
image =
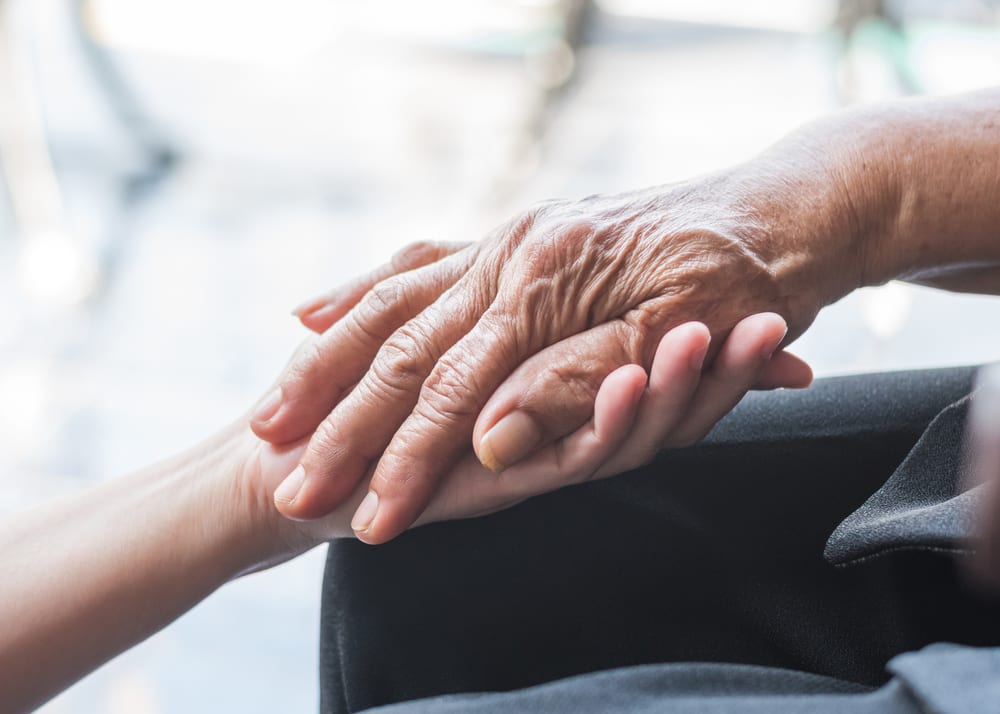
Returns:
point(176, 176)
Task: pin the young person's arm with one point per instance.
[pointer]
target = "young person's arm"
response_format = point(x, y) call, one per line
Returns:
point(87, 577)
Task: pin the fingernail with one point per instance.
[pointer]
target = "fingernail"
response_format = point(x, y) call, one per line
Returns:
point(289, 488)
point(698, 358)
point(770, 349)
point(268, 406)
point(365, 514)
point(307, 307)
point(320, 314)
point(511, 439)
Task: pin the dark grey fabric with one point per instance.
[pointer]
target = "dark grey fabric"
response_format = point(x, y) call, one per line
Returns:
point(921, 506)
point(710, 554)
point(947, 679)
point(676, 688)
point(940, 679)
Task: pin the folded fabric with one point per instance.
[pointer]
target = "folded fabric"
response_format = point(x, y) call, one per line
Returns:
point(922, 506)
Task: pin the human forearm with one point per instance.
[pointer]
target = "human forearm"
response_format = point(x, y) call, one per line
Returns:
point(947, 168)
point(85, 578)
point(921, 181)
point(528, 322)
point(89, 576)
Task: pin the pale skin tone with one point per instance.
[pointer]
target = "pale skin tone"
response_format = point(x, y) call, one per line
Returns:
point(89, 576)
point(692, 285)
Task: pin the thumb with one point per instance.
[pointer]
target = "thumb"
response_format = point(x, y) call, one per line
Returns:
point(552, 394)
point(548, 396)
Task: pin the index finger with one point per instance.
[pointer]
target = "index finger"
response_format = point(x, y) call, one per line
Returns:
point(318, 375)
point(321, 312)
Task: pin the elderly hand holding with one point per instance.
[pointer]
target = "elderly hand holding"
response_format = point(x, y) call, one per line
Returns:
point(90, 575)
point(528, 352)
point(501, 345)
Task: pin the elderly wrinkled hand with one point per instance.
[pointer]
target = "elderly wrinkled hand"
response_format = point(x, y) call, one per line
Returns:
point(506, 342)
point(633, 418)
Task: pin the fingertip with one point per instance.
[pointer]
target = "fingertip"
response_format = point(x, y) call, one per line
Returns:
point(617, 400)
point(286, 495)
point(513, 437)
point(501, 402)
point(627, 381)
point(693, 332)
point(635, 376)
point(691, 339)
point(310, 305)
point(365, 513)
point(322, 318)
point(772, 318)
point(379, 519)
point(370, 537)
point(764, 321)
point(796, 373)
point(765, 329)
point(804, 379)
point(776, 327)
point(696, 328)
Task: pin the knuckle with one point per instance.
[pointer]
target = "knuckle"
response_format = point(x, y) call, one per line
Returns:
point(326, 434)
point(401, 470)
point(385, 303)
point(577, 379)
point(576, 228)
point(405, 359)
point(379, 387)
point(398, 365)
point(323, 447)
point(391, 478)
point(500, 336)
point(517, 228)
point(577, 385)
point(385, 296)
point(449, 393)
point(385, 481)
point(310, 358)
point(541, 208)
point(554, 246)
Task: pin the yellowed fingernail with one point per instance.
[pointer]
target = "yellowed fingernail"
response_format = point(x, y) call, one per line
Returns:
point(289, 488)
point(508, 441)
point(365, 514)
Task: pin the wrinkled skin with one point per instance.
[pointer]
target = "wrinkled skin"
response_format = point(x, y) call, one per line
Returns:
point(448, 340)
point(633, 418)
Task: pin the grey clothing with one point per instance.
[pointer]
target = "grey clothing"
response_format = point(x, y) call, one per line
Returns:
point(698, 583)
point(943, 679)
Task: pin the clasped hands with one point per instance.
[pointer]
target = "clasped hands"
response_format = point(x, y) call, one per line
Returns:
point(572, 343)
